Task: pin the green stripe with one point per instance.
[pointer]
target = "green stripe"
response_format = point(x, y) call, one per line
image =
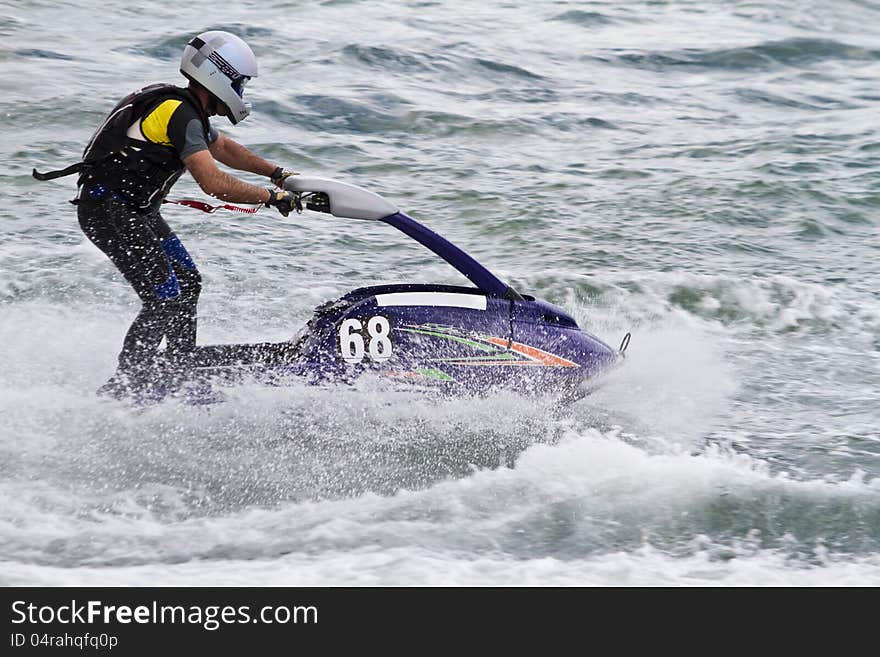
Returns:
point(503, 356)
point(471, 343)
point(434, 374)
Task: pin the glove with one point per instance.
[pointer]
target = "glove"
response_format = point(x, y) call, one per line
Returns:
point(285, 201)
point(280, 175)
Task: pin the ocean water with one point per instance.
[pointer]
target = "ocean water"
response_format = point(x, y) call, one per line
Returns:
point(703, 173)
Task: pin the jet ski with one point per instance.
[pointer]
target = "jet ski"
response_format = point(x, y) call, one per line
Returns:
point(459, 340)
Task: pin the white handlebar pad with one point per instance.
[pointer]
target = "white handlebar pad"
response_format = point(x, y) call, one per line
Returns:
point(345, 200)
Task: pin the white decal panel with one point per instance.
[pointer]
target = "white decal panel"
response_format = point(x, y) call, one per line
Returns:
point(447, 299)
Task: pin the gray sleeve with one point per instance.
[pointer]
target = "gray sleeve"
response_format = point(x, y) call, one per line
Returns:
point(195, 139)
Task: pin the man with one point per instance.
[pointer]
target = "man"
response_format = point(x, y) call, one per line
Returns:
point(137, 154)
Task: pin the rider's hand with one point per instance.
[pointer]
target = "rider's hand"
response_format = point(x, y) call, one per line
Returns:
point(280, 175)
point(284, 201)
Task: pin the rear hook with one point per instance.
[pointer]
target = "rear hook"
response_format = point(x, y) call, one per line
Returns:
point(624, 344)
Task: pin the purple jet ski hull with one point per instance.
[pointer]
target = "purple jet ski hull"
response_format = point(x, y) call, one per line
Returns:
point(453, 338)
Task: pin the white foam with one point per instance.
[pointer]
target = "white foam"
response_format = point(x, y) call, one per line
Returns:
point(473, 531)
point(415, 567)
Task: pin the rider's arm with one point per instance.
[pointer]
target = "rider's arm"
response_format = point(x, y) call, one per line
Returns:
point(234, 155)
point(220, 184)
point(186, 133)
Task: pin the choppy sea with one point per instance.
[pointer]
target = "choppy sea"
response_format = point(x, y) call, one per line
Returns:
point(704, 174)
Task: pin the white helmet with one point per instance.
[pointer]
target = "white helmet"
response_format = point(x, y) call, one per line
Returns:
point(222, 63)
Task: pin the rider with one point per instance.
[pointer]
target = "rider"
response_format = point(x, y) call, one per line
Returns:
point(146, 143)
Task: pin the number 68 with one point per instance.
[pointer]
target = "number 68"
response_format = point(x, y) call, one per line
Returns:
point(356, 341)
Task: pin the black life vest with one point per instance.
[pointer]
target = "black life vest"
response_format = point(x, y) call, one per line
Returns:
point(138, 172)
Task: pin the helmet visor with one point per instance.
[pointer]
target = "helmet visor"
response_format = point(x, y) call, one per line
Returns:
point(239, 84)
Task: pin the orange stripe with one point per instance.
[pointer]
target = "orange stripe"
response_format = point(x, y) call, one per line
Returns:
point(499, 363)
point(543, 357)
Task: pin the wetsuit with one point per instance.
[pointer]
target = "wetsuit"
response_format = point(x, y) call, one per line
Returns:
point(118, 208)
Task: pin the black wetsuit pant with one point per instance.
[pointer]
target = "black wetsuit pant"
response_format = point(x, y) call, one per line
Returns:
point(154, 262)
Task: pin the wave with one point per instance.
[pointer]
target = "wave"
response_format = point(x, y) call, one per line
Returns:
point(775, 304)
point(796, 53)
point(399, 60)
point(333, 114)
point(38, 53)
point(586, 497)
point(169, 48)
point(645, 566)
point(584, 18)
